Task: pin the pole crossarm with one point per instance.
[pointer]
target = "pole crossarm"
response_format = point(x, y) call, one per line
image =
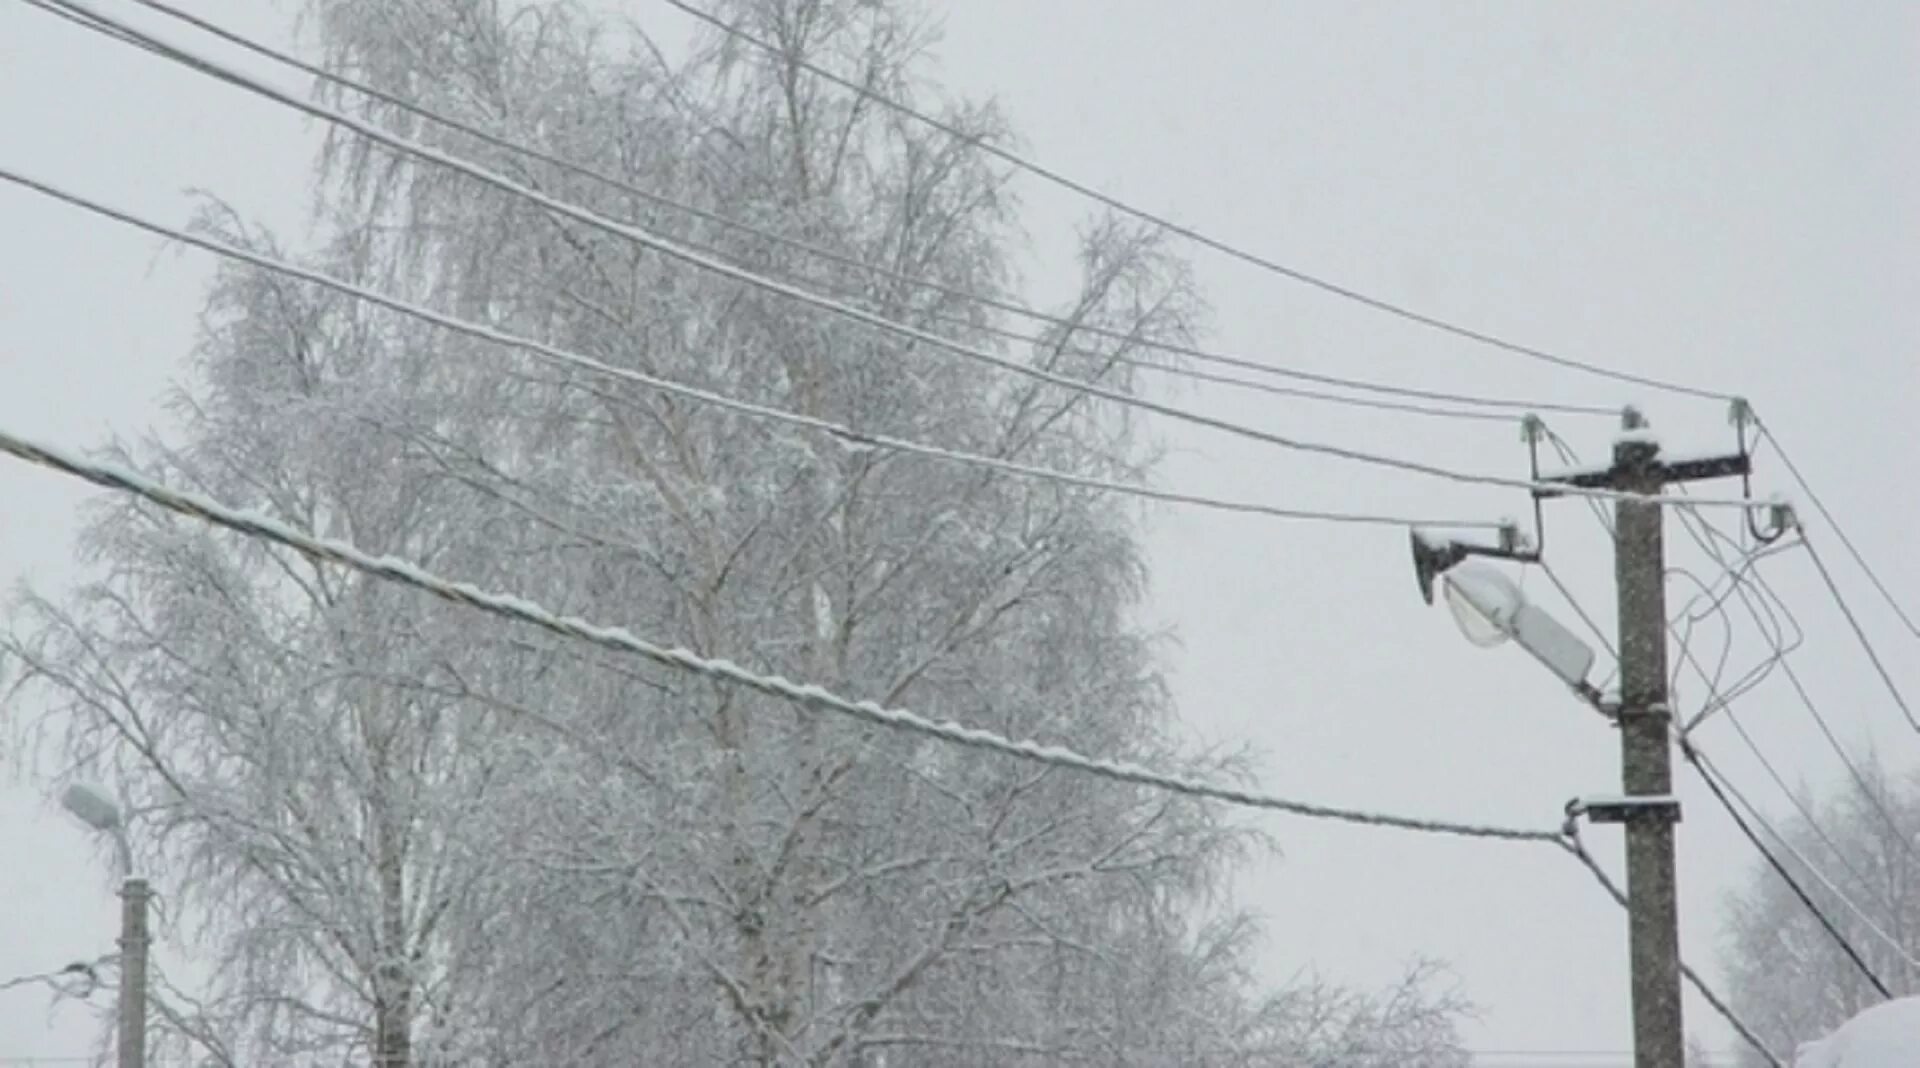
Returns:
point(1692, 469)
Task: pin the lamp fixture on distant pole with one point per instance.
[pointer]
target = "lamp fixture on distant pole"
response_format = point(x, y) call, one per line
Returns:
point(93, 807)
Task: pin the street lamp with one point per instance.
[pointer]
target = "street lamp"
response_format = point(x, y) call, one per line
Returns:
point(1490, 608)
point(93, 807)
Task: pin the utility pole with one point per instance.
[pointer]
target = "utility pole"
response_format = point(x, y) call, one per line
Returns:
point(1645, 721)
point(133, 974)
point(1646, 764)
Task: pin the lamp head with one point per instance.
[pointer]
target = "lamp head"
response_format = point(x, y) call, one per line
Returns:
point(1490, 609)
point(93, 806)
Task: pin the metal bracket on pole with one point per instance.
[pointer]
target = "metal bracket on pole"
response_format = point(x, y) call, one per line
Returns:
point(1625, 808)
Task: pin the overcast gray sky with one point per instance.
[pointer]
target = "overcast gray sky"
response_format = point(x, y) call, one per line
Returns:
point(1719, 194)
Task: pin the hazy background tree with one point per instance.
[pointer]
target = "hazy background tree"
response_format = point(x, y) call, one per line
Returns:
point(1787, 976)
point(413, 835)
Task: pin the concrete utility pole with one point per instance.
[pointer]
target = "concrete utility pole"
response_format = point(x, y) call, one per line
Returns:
point(1645, 720)
point(132, 1044)
point(1646, 765)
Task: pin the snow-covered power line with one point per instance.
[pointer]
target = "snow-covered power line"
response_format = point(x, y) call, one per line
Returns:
point(1512, 406)
point(677, 251)
point(1570, 840)
point(1216, 244)
point(619, 639)
point(838, 431)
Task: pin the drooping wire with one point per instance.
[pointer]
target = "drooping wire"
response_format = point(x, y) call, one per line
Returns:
point(619, 639)
point(1743, 576)
point(841, 432)
point(998, 304)
point(1833, 931)
point(674, 250)
point(1859, 778)
point(1572, 843)
point(1411, 407)
point(1706, 765)
point(1264, 263)
point(1702, 764)
point(392, 569)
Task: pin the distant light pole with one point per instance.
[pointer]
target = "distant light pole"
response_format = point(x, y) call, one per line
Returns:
point(94, 808)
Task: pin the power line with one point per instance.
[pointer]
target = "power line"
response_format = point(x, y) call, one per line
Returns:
point(506, 606)
point(1688, 750)
point(519, 610)
point(1872, 796)
point(677, 251)
point(1707, 776)
point(1720, 789)
point(841, 432)
point(660, 200)
point(1570, 841)
point(1716, 605)
point(1773, 773)
point(1741, 577)
point(1838, 531)
point(996, 303)
point(1859, 632)
point(1216, 244)
point(1766, 606)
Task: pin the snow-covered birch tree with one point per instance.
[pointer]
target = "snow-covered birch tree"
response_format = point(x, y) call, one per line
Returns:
point(1787, 977)
point(419, 836)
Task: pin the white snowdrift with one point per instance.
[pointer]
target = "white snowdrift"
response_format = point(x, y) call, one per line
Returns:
point(1885, 1036)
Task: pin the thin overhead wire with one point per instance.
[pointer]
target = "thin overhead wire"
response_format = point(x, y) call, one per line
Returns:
point(1826, 923)
point(828, 255)
point(1860, 632)
point(1686, 621)
point(1254, 259)
point(1758, 580)
point(1715, 599)
point(1741, 576)
point(1838, 531)
point(1762, 601)
point(1800, 806)
point(392, 569)
point(619, 639)
point(1570, 841)
point(1706, 764)
point(675, 250)
point(841, 432)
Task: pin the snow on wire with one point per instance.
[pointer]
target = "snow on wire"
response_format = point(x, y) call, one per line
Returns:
point(517, 609)
point(619, 639)
point(126, 33)
point(850, 435)
point(1216, 244)
point(877, 270)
